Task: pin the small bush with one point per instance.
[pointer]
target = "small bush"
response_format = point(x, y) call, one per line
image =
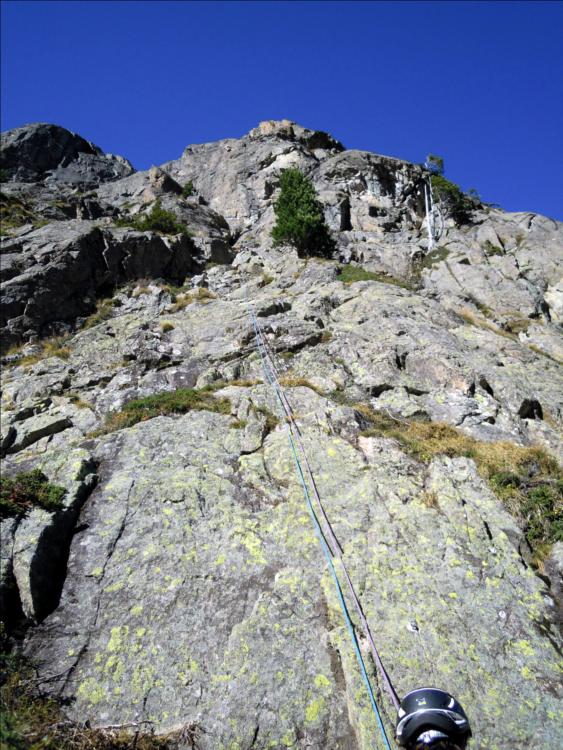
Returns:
point(490, 249)
point(28, 490)
point(300, 218)
point(271, 420)
point(157, 220)
point(180, 401)
point(14, 213)
point(456, 202)
point(188, 189)
point(351, 274)
point(435, 256)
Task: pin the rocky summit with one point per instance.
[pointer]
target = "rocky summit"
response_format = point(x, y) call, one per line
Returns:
point(179, 588)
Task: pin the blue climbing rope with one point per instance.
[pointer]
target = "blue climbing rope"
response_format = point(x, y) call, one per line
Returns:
point(270, 376)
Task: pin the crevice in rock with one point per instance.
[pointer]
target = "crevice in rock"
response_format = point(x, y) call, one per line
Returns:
point(376, 390)
point(415, 391)
point(484, 383)
point(400, 360)
point(254, 737)
point(48, 568)
point(345, 221)
point(530, 408)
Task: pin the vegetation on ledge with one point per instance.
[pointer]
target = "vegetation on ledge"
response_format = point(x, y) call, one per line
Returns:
point(526, 479)
point(179, 401)
point(157, 220)
point(299, 216)
point(28, 490)
point(31, 721)
point(350, 274)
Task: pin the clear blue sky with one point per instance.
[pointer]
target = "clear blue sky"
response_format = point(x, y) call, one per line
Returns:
point(480, 83)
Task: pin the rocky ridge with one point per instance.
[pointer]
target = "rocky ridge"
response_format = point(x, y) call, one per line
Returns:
point(182, 583)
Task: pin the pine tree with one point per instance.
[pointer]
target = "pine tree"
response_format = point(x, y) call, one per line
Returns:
point(300, 218)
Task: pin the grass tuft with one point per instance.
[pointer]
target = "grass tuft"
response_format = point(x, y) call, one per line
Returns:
point(200, 294)
point(351, 274)
point(526, 479)
point(53, 347)
point(28, 490)
point(104, 311)
point(180, 401)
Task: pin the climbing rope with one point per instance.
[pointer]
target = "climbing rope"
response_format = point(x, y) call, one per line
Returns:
point(329, 543)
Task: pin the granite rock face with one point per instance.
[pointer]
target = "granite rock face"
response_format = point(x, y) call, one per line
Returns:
point(43, 151)
point(182, 583)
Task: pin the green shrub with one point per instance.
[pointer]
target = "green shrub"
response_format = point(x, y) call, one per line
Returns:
point(180, 401)
point(157, 220)
point(300, 218)
point(28, 490)
point(14, 213)
point(188, 189)
point(456, 202)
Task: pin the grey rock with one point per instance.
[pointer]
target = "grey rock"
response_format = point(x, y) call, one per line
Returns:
point(195, 588)
point(40, 150)
point(35, 563)
point(33, 429)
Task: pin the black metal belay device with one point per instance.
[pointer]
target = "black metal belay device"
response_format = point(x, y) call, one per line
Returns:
point(431, 718)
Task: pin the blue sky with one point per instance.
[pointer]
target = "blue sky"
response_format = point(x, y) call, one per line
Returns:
point(480, 83)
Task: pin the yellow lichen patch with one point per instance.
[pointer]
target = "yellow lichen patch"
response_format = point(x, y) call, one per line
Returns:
point(114, 587)
point(136, 610)
point(322, 681)
point(524, 647)
point(314, 710)
point(91, 692)
point(117, 637)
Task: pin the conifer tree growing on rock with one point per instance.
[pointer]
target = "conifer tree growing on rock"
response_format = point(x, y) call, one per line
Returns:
point(300, 218)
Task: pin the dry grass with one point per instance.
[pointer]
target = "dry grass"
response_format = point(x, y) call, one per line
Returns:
point(31, 721)
point(140, 290)
point(166, 326)
point(51, 347)
point(481, 322)
point(293, 382)
point(75, 400)
point(104, 311)
point(200, 294)
point(430, 499)
point(526, 479)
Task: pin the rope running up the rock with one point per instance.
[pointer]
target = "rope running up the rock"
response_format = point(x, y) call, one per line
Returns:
point(330, 546)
